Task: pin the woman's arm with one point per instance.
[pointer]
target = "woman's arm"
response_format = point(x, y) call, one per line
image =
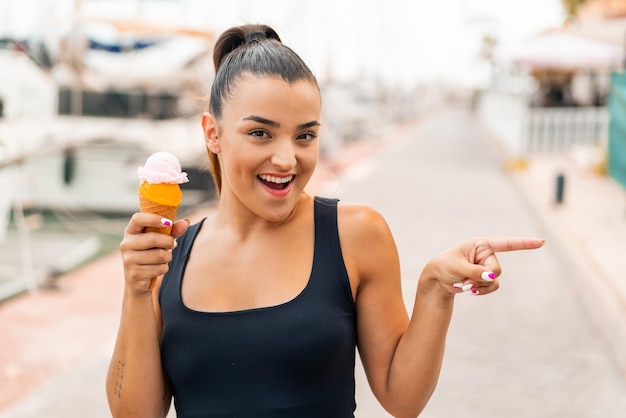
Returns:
point(417, 359)
point(135, 382)
point(402, 358)
point(136, 386)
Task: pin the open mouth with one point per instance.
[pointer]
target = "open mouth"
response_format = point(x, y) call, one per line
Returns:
point(276, 183)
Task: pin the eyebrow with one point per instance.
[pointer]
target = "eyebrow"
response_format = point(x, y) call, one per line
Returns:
point(275, 124)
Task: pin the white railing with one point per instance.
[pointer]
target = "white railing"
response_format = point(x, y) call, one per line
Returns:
point(523, 130)
point(561, 129)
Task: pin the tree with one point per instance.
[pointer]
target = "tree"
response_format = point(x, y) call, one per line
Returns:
point(572, 7)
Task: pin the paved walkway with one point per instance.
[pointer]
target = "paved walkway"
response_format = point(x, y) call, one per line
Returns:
point(530, 350)
point(589, 234)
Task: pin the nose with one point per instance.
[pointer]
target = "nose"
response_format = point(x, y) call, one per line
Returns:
point(284, 155)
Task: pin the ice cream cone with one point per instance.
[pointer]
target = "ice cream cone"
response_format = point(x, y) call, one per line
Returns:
point(165, 211)
point(159, 191)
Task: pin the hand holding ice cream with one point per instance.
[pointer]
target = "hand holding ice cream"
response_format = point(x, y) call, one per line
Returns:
point(159, 191)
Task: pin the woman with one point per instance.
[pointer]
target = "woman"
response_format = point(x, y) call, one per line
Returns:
point(263, 303)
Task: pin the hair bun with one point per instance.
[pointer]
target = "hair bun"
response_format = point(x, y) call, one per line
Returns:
point(239, 36)
point(252, 36)
point(258, 32)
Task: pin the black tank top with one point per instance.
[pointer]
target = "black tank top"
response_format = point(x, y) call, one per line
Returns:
point(292, 360)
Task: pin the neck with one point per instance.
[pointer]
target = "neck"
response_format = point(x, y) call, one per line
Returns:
point(243, 222)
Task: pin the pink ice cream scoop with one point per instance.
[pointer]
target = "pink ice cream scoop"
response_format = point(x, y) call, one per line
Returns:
point(162, 167)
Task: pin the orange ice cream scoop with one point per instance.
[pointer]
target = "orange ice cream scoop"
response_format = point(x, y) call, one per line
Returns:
point(161, 193)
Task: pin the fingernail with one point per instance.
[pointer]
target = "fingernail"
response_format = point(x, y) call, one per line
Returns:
point(458, 285)
point(475, 292)
point(188, 221)
point(175, 243)
point(166, 222)
point(488, 276)
point(467, 287)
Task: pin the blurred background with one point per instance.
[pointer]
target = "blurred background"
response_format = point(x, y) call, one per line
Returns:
point(90, 88)
point(93, 87)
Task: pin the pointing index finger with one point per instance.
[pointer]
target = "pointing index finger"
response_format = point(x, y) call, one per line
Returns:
point(514, 244)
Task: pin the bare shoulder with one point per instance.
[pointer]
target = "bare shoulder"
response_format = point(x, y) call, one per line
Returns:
point(366, 241)
point(357, 221)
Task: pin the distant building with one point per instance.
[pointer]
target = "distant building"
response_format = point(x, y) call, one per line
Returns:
point(602, 9)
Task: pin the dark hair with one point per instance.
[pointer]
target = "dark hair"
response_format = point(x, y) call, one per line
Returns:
point(250, 49)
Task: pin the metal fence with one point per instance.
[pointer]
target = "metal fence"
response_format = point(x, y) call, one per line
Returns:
point(524, 131)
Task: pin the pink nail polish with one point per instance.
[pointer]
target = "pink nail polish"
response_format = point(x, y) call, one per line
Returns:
point(475, 292)
point(468, 287)
point(166, 222)
point(488, 276)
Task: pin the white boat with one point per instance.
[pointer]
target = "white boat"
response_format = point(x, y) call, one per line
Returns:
point(65, 149)
point(84, 155)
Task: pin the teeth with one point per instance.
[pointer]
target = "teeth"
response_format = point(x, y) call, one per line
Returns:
point(277, 180)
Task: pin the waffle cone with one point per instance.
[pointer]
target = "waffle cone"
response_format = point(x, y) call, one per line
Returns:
point(169, 212)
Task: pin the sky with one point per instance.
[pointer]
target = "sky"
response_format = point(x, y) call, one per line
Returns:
point(400, 42)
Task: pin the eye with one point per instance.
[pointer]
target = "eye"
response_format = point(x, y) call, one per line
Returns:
point(306, 136)
point(259, 133)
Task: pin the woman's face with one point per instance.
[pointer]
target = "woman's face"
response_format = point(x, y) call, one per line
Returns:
point(267, 144)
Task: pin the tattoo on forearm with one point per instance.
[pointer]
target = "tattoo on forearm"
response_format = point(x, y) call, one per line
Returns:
point(119, 378)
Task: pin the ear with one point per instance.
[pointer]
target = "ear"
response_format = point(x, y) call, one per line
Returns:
point(209, 127)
